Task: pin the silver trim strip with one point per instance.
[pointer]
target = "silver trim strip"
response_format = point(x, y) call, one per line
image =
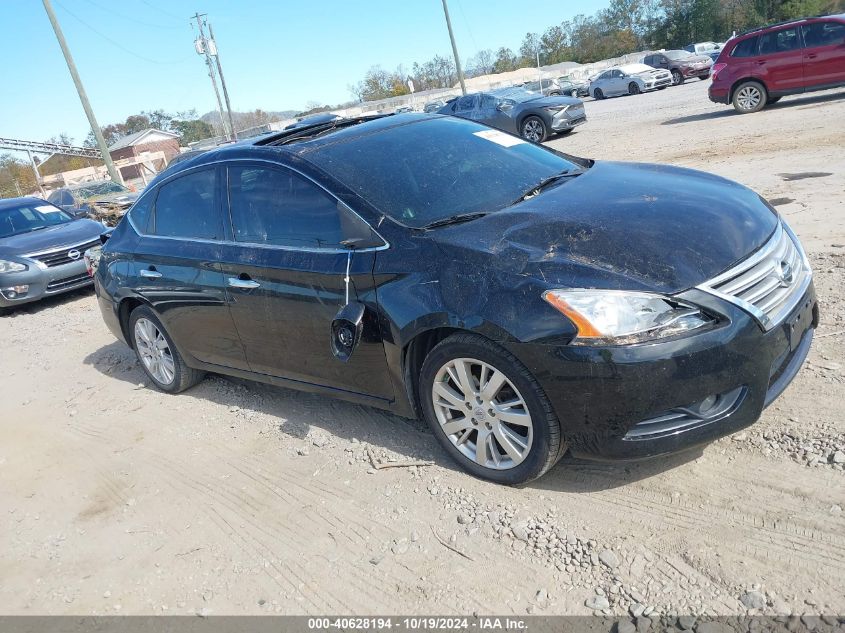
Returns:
point(228, 161)
point(766, 322)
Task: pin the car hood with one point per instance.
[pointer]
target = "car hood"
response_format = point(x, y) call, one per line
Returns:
point(696, 59)
point(619, 226)
point(542, 102)
point(68, 234)
point(123, 199)
point(654, 72)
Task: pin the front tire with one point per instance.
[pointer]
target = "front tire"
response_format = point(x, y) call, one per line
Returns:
point(749, 96)
point(157, 354)
point(534, 129)
point(488, 412)
point(677, 78)
point(704, 77)
point(633, 88)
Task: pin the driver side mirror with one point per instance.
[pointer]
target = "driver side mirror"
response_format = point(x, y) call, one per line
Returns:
point(504, 107)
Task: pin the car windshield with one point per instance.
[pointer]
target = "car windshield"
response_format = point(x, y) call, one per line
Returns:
point(517, 94)
point(430, 170)
point(30, 217)
point(677, 54)
point(99, 189)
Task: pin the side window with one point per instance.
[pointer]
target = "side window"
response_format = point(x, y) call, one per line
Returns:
point(489, 102)
point(823, 34)
point(185, 207)
point(781, 41)
point(278, 207)
point(746, 48)
point(67, 198)
point(616, 74)
point(466, 103)
point(140, 212)
point(54, 197)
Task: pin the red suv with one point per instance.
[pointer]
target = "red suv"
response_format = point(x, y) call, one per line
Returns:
point(761, 66)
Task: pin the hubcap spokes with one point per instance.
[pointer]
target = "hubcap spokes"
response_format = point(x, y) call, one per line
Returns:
point(749, 98)
point(154, 351)
point(533, 131)
point(482, 413)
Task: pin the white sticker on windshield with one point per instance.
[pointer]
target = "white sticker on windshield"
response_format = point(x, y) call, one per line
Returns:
point(500, 138)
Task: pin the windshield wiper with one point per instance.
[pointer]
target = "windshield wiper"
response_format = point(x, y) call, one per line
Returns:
point(545, 182)
point(454, 219)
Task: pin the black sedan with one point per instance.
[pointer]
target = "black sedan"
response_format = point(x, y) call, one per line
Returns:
point(41, 250)
point(518, 111)
point(524, 302)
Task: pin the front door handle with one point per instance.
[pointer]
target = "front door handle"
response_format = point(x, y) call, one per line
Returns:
point(235, 282)
point(150, 274)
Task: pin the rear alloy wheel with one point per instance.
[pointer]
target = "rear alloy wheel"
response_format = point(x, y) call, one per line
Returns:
point(677, 78)
point(159, 357)
point(487, 411)
point(598, 94)
point(534, 130)
point(749, 97)
point(633, 88)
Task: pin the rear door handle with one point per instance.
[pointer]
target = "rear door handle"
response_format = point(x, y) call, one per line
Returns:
point(150, 274)
point(235, 282)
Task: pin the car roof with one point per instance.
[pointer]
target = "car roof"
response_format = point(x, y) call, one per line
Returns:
point(758, 29)
point(11, 203)
point(285, 143)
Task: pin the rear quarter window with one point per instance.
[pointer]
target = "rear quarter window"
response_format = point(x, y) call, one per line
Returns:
point(139, 214)
point(746, 48)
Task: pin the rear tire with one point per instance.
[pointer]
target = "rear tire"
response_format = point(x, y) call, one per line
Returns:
point(677, 78)
point(158, 356)
point(749, 96)
point(469, 421)
point(633, 88)
point(704, 77)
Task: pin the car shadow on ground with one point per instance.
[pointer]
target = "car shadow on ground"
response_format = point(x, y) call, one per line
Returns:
point(790, 102)
point(306, 416)
point(47, 303)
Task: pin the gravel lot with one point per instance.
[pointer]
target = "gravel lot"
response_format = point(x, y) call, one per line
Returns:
point(241, 498)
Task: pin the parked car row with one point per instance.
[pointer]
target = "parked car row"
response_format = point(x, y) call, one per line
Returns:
point(630, 79)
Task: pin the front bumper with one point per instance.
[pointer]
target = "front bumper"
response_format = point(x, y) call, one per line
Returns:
point(42, 282)
point(622, 402)
point(662, 82)
point(568, 119)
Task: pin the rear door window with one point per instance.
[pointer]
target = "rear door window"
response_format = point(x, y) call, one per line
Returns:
point(746, 48)
point(823, 34)
point(782, 41)
point(467, 103)
point(186, 207)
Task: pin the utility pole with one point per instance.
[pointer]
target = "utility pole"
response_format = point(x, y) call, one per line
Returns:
point(223, 83)
point(201, 44)
point(454, 49)
point(83, 97)
point(35, 171)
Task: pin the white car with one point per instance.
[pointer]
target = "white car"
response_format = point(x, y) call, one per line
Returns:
point(630, 79)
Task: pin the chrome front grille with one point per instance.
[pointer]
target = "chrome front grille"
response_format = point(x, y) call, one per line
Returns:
point(62, 256)
point(769, 284)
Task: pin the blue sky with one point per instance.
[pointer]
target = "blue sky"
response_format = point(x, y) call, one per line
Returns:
point(138, 55)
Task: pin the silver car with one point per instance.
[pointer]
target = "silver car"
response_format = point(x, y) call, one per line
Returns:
point(630, 79)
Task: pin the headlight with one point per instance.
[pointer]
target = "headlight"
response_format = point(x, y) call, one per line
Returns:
point(558, 108)
point(619, 318)
point(11, 267)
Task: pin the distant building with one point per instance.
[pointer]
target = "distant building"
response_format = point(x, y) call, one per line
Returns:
point(140, 144)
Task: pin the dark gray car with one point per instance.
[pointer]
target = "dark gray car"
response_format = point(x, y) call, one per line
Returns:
point(518, 111)
point(41, 249)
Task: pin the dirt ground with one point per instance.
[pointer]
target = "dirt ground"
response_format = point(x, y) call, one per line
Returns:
point(241, 498)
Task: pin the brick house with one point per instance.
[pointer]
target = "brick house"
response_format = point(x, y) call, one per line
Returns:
point(140, 143)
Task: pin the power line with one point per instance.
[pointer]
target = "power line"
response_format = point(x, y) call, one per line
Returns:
point(162, 11)
point(118, 44)
point(132, 19)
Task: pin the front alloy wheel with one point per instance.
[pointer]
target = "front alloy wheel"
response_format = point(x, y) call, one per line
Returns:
point(534, 130)
point(488, 411)
point(482, 413)
point(677, 78)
